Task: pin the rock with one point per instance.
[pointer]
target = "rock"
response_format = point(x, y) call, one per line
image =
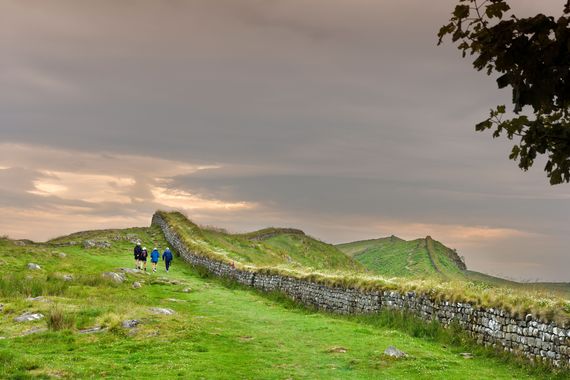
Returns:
point(466, 355)
point(91, 330)
point(130, 270)
point(2, 337)
point(62, 255)
point(136, 285)
point(131, 323)
point(88, 244)
point(32, 266)
point(160, 310)
point(28, 317)
point(38, 299)
point(186, 290)
point(337, 350)
point(20, 243)
point(394, 352)
point(67, 277)
point(34, 330)
point(116, 277)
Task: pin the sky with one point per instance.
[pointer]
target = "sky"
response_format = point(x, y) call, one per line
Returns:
point(339, 117)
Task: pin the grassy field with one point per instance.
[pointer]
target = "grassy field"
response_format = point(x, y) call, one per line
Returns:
point(218, 331)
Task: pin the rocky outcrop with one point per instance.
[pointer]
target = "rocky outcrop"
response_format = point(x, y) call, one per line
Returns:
point(528, 337)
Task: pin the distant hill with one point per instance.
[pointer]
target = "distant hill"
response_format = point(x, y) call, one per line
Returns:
point(395, 257)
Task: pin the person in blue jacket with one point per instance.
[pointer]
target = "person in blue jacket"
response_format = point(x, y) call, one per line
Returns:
point(154, 255)
point(167, 258)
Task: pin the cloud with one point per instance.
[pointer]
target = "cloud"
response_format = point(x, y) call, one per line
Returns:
point(98, 187)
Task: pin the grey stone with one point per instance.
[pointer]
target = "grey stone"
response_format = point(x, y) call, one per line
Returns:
point(136, 285)
point(466, 355)
point(91, 330)
point(161, 310)
point(131, 270)
point(34, 330)
point(394, 352)
point(62, 255)
point(88, 244)
point(186, 290)
point(38, 299)
point(28, 317)
point(32, 266)
point(116, 277)
point(67, 277)
point(131, 323)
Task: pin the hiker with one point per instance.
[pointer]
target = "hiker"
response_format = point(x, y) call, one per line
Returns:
point(143, 257)
point(138, 252)
point(167, 258)
point(154, 255)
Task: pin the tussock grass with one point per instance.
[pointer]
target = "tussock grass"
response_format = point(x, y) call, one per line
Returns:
point(59, 319)
point(17, 285)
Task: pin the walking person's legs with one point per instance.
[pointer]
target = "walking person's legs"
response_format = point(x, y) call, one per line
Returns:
point(167, 265)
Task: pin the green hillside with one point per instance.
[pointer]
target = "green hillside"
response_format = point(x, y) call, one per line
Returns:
point(395, 257)
point(276, 247)
point(216, 330)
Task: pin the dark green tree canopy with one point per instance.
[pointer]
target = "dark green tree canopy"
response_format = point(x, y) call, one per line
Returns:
point(531, 56)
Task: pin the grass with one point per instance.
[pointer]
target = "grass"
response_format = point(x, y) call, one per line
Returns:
point(220, 330)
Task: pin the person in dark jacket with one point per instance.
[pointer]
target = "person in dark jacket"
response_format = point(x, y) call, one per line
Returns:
point(154, 255)
point(143, 257)
point(167, 258)
point(138, 252)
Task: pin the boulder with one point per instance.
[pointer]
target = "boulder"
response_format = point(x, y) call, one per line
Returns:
point(394, 352)
point(130, 270)
point(116, 277)
point(32, 266)
point(161, 310)
point(34, 330)
point(28, 317)
point(88, 244)
point(131, 323)
point(136, 285)
point(91, 330)
point(38, 299)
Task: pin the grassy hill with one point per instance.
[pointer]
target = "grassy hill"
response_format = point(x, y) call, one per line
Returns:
point(275, 247)
point(217, 331)
point(395, 257)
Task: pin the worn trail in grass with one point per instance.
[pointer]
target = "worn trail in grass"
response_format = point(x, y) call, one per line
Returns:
point(217, 332)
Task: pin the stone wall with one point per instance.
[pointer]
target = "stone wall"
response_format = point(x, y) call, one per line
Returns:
point(527, 337)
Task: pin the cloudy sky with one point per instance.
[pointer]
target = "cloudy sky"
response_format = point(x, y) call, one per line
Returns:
point(340, 117)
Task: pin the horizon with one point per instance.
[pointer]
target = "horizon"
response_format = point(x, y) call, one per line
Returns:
point(340, 118)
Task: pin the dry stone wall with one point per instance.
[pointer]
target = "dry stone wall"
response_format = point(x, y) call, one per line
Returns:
point(528, 337)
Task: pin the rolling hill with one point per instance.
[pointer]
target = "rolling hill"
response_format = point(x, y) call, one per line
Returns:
point(395, 257)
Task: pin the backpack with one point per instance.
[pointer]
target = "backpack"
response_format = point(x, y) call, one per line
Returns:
point(144, 254)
